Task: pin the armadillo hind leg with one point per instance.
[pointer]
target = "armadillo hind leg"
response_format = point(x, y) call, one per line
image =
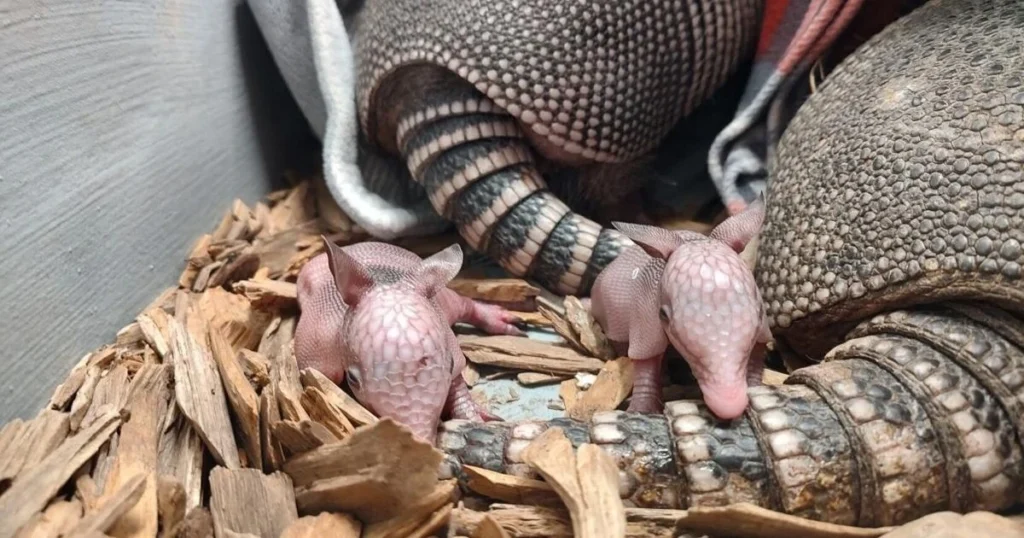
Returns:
point(479, 171)
point(918, 411)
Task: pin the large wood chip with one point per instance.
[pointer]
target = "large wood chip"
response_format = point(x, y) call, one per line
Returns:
point(245, 405)
point(488, 528)
point(113, 508)
point(59, 518)
point(256, 368)
point(66, 391)
point(589, 333)
point(24, 444)
point(269, 295)
point(613, 384)
point(170, 501)
point(297, 437)
point(200, 395)
point(240, 266)
point(773, 377)
point(198, 523)
point(102, 466)
point(510, 488)
point(111, 392)
point(322, 410)
point(548, 522)
point(357, 476)
point(337, 397)
point(273, 454)
point(556, 319)
point(523, 353)
point(233, 315)
point(197, 259)
point(285, 377)
point(979, 524)
point(531, 379)
point(432, 525)
point(32, 490)
point(137, 451)
point(181, 456)
point(297, 207)
point(415, 517)
point(505, 291)
point(587, 482)
point(83, 399)
point(327, 524)
point(130, 336)
point(277, 339)
point(278, 250)
point(750, 521)
point(532, 318)
point(248, 501)
point(156, 330)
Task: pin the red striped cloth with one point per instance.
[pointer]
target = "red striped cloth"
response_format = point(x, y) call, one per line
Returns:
point(794, 35)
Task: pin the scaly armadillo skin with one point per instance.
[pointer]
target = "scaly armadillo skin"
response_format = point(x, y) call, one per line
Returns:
point(480, 97)
point(900, 180)
point(887, 429)
point(891, 252)
point(380, 317)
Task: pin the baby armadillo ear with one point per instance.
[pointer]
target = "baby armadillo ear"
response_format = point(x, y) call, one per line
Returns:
point(438, 270)
point(658, 242)
point(350, 277)
point(737, 230)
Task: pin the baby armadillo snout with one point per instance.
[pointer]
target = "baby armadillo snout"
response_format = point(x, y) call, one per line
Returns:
point(715, 319)
point(726, 401)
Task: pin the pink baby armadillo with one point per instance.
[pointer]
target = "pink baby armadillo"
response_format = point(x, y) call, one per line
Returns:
point(381, 317)
point(696, 292)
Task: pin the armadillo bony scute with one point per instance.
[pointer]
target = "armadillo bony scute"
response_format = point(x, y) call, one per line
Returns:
point(380, 317)
point(891, 249)
point(482, 99)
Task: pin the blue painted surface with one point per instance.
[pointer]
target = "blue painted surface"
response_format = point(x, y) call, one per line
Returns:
point(512, 401)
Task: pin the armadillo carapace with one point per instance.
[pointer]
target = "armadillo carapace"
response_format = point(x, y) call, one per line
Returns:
point(892, 250)
point(481, 97)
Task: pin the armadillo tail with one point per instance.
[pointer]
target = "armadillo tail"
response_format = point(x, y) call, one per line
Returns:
point(918, 411)
point(479, 171)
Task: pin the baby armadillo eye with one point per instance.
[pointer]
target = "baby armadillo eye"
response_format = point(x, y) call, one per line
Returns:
point(663, 314)
point(353, 378)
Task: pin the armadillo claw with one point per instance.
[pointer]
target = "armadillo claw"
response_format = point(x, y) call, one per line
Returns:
point(486, 415)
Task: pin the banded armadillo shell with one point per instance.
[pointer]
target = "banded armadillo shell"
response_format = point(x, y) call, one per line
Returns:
point(898, 422)
point(599, 81)
point(891, 252)
point(901, 180)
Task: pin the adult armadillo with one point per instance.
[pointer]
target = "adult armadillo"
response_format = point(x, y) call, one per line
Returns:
point(892, 249)
point(485, 100)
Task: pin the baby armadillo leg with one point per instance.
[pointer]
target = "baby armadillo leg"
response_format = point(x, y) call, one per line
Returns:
point(491, 318)
point(647, 379)
point(479, 171)
point(461, 406)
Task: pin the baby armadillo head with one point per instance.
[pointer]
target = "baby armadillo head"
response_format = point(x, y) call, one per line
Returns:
point(709, 303)
point(399, 349)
